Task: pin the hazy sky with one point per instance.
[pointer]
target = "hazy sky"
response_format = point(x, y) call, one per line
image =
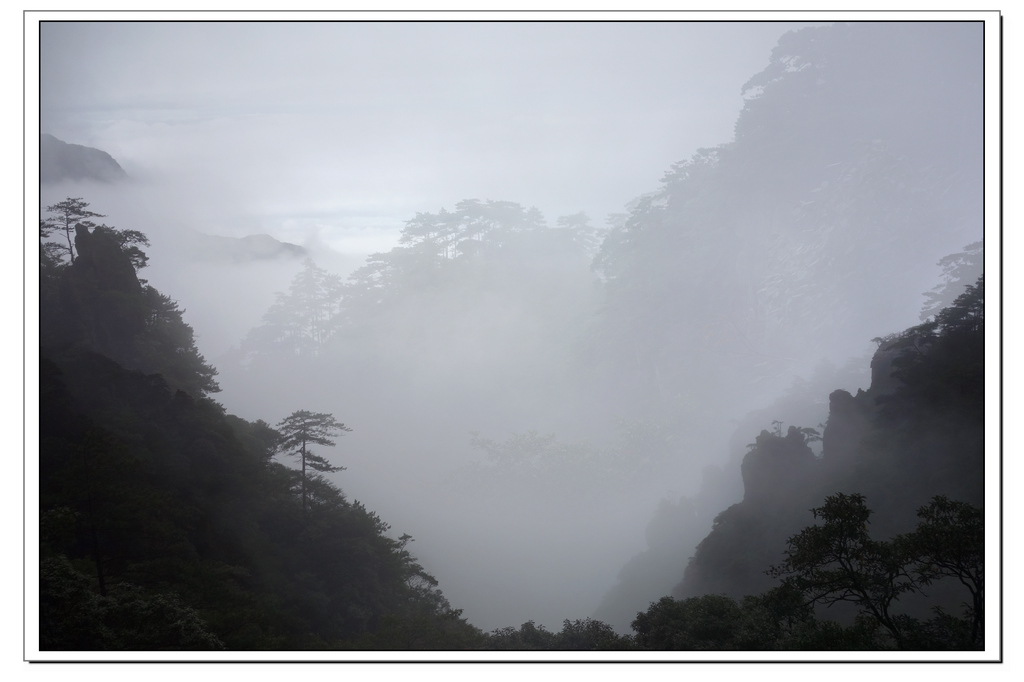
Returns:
point(348, 129)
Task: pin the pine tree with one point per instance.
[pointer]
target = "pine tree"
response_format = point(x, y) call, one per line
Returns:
point(303, 428)
point(302, 321)
point(68, 213)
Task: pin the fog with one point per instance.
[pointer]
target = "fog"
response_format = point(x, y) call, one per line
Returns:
point(537, 401)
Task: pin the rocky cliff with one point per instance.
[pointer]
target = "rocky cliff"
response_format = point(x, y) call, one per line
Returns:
point(917, 432)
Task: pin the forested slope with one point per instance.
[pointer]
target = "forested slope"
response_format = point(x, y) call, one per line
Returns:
point(165, 522)
point(824, 215)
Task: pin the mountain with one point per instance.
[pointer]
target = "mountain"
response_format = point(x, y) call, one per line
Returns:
point(813, 230)
point(916, 433)
point(208, 247)
point(878, 539)
point(60, 161)
point(855, 166)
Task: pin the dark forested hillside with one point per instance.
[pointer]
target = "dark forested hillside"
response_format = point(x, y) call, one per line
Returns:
point(166, 523)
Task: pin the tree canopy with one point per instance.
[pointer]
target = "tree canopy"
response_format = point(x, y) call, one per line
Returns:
point(302, 321)
point(838, 561)
point(959, 270)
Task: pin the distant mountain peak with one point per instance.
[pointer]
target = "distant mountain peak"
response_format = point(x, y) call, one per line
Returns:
point(253, 247)
point(60, 161)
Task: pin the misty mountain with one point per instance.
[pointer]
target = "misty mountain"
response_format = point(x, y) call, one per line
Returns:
point(816, 229)
point(574, 418)
point(678, 525)
point(758, 258)
point(718, 568)
point(208, 247)
point(60, 161)
point(825, 215)
point(917, 432)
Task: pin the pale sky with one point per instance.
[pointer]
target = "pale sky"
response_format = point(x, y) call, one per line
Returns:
point(349, 129)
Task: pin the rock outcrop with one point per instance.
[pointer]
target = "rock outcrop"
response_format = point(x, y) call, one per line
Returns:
point(912, 435)
point(776, 467)
point(103, 297)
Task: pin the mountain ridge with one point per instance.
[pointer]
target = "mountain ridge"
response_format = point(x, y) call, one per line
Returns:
point(60, 161)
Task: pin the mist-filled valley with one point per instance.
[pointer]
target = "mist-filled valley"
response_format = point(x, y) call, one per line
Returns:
point(558, 416)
